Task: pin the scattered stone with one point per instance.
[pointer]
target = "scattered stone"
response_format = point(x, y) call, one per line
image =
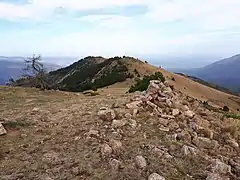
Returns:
point(106, 150)
point(194, 126)
point(135, 112)
point(153, 87)
point(35, 109)
point(132, 123)
point(189, 114)
point(167, 116)
point(232, 143)
point(169, 103)
point(51, 157)
point(128, 116)
point(152, 105)
point(2, 130)
point(185, 108)
point(115, 164)
point(219, 167)
point(164, 129)
point(141, 162)
point(187, 150)
point(157, 151)
point(155, 176)
point(184, 136)
point(175, 112)
point(214, 176)
point(206, 143)
point(115, 105)
point(116, 145)
point(163, 121)
point(106, 115)
point(92, 133)
point(173, 125)
point(118, 123)
point(134, 105)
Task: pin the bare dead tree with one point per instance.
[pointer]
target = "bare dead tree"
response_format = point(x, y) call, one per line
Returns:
point(35, 70)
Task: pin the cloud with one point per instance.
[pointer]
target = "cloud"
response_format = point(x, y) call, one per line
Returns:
point(105, 27)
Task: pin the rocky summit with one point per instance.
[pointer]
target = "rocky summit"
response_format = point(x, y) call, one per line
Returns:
point(156, 134)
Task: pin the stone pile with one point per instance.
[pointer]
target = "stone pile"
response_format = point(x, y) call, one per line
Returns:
point(178, 117)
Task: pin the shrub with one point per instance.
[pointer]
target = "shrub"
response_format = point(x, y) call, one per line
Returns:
point(234, 116)
point(143, 84)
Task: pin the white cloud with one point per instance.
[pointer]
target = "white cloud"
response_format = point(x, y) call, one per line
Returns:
point(108, 21)
point(200, 13)
point(117, 34)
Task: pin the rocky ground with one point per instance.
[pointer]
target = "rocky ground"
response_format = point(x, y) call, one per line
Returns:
point(158, 134)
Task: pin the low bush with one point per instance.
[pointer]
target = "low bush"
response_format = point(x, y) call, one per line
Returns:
point(142, 84)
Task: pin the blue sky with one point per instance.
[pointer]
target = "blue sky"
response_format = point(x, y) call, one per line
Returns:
point(119, 27)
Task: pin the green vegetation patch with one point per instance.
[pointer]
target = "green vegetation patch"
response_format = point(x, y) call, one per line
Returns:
point(142, 84)
point(234, 116)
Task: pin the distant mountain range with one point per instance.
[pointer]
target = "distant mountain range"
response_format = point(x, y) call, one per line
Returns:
point(11, 67)
point(225, 73)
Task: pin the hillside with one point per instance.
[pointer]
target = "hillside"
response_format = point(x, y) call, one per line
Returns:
point(225, 73)
point(120, 73)
point(157, 135)
point(90, 72)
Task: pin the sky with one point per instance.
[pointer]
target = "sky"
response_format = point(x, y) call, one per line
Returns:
point(120, 27)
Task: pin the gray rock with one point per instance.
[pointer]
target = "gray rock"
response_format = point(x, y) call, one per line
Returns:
point(187, 150)
point(169, 103)
point(219, 167)
point(132, 123)
point(107, 115)
point(134, 105)
point(2, 130)
point(118, 123)
point(115, 164)
point(233, 143)
point(189, 114)
point(116, 145)
point(175, 112)
point(155, 176)
point(92, 133)
point(153, 87)
point(140, 162)
point(214, 176)
point(106, 150)
point(152, 105)
point(206, 143)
